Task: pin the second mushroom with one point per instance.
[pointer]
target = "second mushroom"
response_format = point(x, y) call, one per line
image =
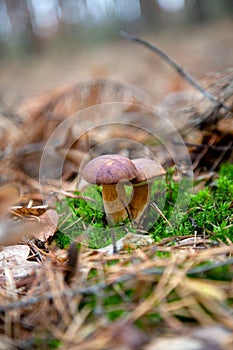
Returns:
point(147, 171)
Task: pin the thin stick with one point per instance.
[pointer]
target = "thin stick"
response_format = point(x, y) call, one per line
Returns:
point(113, 234)
point(213, 147)
point(154, 206)
point(176, 66)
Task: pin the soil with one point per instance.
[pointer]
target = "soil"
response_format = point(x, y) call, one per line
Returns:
point(200, 49)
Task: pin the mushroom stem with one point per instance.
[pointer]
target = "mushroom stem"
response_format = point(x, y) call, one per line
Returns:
point(147, 170)
point(139, 201)
point(115, 201)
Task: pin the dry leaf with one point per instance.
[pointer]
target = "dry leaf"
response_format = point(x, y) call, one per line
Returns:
point(14, 259)
point(181, 343)
point(49, 220)
point(129, 241)
point(29, 211)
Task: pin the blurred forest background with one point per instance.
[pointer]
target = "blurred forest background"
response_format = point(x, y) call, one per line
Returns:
point(47, 43)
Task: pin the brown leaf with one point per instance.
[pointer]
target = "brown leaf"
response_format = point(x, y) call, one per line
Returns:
point(49, 220)
point(28, 211)
point(13, 262)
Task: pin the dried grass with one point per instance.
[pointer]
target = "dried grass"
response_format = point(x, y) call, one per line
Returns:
point(164, 286)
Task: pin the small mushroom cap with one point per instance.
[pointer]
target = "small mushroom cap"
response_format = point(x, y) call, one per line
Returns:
point(109, 169)
point(147, 169)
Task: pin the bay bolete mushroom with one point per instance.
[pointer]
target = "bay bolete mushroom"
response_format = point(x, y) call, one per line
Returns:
point(111, 171)
point(147, 171)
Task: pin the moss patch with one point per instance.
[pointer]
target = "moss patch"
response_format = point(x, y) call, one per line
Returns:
point(209, 212)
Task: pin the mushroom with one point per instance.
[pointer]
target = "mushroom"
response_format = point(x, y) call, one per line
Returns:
point(147, 171)
point(111, 171)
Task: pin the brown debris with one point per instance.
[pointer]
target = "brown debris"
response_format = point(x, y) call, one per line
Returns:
point(45, 296)
point(49, 221)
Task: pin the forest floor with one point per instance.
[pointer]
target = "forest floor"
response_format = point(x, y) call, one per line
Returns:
point(170, 283)
point(200, 49)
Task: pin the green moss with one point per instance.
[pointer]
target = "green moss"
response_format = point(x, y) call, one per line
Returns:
point(223, 273)
point(62, 240)
point(209, 212)
point(54, 344)
point(50, 343)
point(85, 217)
point(115, 314)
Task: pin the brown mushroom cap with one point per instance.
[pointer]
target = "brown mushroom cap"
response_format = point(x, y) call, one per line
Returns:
point(109, 169)
point(147, 169)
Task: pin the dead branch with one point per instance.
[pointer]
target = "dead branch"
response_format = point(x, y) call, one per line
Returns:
point(180, 70)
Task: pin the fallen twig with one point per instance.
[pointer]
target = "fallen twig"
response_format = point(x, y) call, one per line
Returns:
point(186, 75)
